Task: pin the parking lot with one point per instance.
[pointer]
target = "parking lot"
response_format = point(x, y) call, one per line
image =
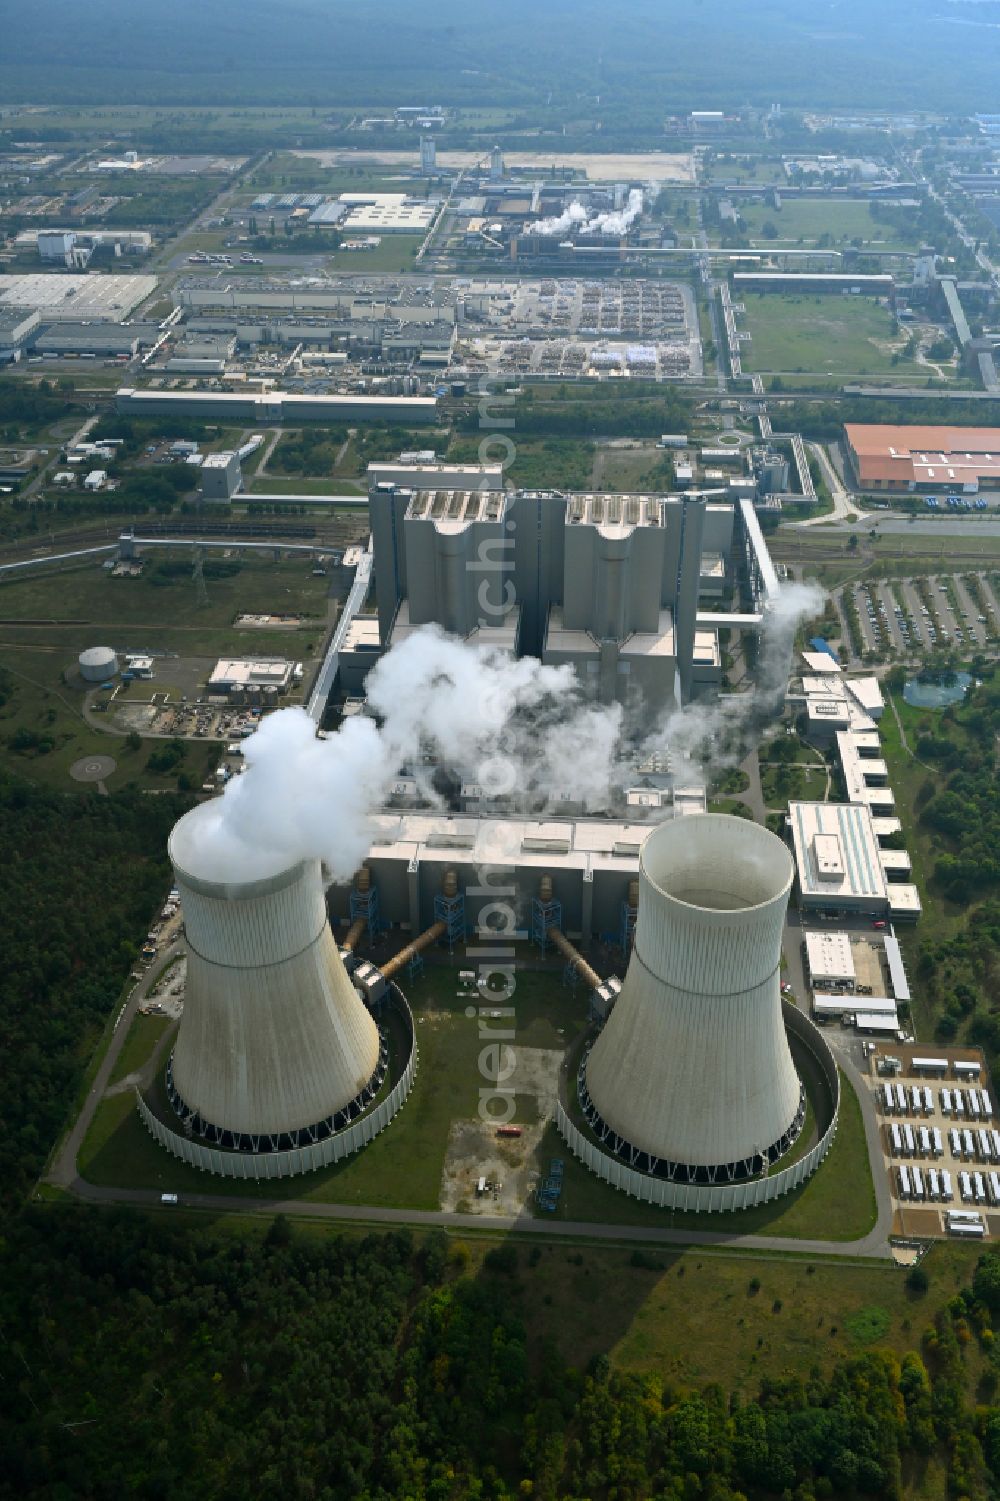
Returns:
point(940, 1146)
point(906, 617)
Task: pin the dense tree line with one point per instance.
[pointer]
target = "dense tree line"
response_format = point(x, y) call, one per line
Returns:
point(151, 1359)
point(963, 805)
point(312, 450)
point(22, 403)
point(80, 876)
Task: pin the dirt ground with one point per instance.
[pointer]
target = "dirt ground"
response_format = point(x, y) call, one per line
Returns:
point(649, 166)
point(510, 1165)
point(868, 966)
point(167, 997)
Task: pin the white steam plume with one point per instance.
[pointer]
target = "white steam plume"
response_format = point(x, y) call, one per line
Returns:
point(618, 222)
point(561, 223)
point(708, 735)
point(515, 726)
point(610, 222)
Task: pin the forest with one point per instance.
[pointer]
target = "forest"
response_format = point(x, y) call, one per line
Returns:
point(160, 1360)
point(79, 877)
point(650, 62)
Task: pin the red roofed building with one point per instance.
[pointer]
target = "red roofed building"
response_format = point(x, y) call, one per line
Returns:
point(904, 459)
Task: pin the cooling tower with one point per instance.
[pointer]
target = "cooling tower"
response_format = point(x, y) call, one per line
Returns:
point(692, 1073)
point(275, 1046)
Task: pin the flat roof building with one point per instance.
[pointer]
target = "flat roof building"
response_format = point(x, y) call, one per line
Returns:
point(830, 959)
point(261, 677)
point(277, 406)
point(837, 857)
point(903, 459)
point(88, 296)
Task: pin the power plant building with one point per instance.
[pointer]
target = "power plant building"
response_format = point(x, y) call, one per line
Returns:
point(609, 584)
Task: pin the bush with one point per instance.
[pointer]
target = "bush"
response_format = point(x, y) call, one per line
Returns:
point(917, 1280)
point(501, 1259)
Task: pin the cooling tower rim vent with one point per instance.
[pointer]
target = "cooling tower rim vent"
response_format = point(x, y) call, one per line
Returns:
point(190, 837)
point(686, 831)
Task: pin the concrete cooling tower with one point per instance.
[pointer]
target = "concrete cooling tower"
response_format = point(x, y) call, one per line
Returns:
point(691, 1077)
point(276, 1048)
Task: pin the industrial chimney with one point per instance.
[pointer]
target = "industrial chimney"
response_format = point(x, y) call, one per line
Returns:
point(692, 1077)
point(275, 1047)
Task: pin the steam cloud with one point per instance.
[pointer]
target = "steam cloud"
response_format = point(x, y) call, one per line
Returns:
point(613, 223)
point(515, 725)
point(708, 735)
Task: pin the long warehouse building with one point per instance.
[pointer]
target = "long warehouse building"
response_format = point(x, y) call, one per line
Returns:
point(276, 407)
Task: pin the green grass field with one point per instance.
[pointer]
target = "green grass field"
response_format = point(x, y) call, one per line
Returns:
point(395, 253)
point(401, 1168)
point(801, 221)
point(86, 597)
point(826, 335)
point(837, 1203)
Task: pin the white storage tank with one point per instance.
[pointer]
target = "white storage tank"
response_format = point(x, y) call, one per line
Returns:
point(97, 664)
point(275, 1047)
point(693, 1067)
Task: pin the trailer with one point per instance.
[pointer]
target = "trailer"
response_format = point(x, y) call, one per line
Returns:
point(896, 1137)
point(993, 1179)
point(933, 1178)
point(938, 1143)
point(974, 1104)
point(946, 1191)
point(958, 1102)
point(928, 1100)
point(987, 1106)
point(946, 1102)
point(910, 1140)
point(979, 1188)
point(984, 1145)
point(970, 1229)
point(904, 1183)
point(968, 1145)
point(955, 1142)
point(924, 1136)
point(965, 1186)
point(916, 1099)
point(918, 1183)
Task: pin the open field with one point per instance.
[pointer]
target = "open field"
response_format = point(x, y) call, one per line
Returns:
point(567, 462)
point(694, 1316)
point(40, 704)
point(804, 220)
point(88, 595)
point(47, 619)
point(395, 253)
point(823, 335)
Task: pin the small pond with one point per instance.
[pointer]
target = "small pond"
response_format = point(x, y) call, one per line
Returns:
point(937, 693)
